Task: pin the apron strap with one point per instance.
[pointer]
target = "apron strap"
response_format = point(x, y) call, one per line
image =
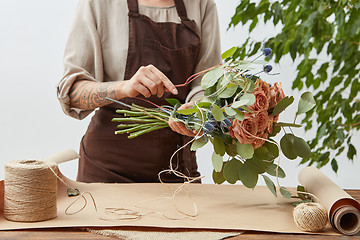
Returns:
point(181, 10)
point(133, 8)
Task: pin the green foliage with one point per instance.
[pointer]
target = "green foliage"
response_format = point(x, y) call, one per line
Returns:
point(308, 29)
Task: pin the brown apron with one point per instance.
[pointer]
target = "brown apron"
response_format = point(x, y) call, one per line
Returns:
point(105, 157)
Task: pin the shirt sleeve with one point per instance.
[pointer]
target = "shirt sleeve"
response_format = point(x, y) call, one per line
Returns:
point(82, 57)
point(210, 51)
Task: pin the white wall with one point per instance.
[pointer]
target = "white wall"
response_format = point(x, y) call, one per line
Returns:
point(32, 124)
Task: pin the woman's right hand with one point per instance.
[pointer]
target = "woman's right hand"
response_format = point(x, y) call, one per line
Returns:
point(147, 81)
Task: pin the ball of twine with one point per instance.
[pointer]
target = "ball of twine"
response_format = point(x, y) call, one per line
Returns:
point(30, 189)
point(310, 217)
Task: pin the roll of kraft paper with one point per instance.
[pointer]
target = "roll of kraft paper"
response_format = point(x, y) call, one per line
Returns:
point(342, 209)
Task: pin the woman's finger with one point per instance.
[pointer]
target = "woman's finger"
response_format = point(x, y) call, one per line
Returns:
point(166, 82)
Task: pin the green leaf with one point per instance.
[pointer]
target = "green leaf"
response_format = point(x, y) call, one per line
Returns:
point(272, 148)
point(282, 105)
point(340, 135)
point(302, 196)
point(248, 174)
point(219, 146)
point(301, 148)
point(351, 152)
point(217, 113)
point(245, 151)
point(231, 171)
point(229, 91)
point(246, 99)
point(263, 153)
point(211, 77)
point(230, 111)
point(218, 177)
point(271, 170)
point(334, 165)
point(306, 102)
point(217, 162)
point(287, 146)
point(285, 193)
point(239, 115)
point(228, 53)
point(187, 111)
point(198, 143)
point(173, 101)
point(270, 185)
point(204, 105)
point(282, 124)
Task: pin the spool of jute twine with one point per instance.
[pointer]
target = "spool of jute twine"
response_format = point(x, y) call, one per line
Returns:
point(30, 191)
point(310, 217)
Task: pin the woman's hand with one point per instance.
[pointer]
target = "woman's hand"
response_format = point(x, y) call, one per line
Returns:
point(179, 127)
point(147, 81)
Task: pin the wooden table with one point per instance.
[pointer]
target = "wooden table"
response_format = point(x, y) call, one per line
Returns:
point(79, 234)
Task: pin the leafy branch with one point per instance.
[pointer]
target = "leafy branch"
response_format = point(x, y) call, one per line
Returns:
point(311, 30)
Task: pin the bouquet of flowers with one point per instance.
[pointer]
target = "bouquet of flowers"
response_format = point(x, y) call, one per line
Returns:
point(239, 116)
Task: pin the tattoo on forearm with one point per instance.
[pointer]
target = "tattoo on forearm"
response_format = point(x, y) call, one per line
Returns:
point(90, 95)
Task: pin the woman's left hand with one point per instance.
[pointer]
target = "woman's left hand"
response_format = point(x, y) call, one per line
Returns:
point(179, 127)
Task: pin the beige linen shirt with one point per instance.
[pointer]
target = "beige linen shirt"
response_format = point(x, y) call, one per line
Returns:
point(97, 45)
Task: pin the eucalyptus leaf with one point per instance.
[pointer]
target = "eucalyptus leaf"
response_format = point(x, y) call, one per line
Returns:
point(217, 162)
point(230, 111)
point(231, 170)
point(270, 185)
point(229, 91)
point(218, 177)
point(245, 151)
point(306, 102)
point(282, 105)
point(285, 193)
point(228, 53)
point(301, 148)
point(198, 143)
point(211, 77)
point(246, 99)
point(219, 146)
point(217, 113)
point(273, 168)
point(272, 148)
point(287, 146)
point(263, 153)
point(248, 174)
point(204, 105)
point(239, 115)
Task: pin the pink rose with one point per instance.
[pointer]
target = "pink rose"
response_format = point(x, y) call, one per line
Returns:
point(245, 130)
point(258, 142)
point(276, 94)
point(263, 86)
point(262, 119)
point(261, 101)
point(270, 123)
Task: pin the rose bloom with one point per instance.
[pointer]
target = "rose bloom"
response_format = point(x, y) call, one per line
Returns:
point(276, 93)
point(245, 130)
point(262, 119)
point(261, 102)
point(270, 124)
point(258, 142)
point(263, 86)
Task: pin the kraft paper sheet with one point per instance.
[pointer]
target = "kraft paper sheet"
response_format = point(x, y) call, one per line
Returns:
point(223, 207)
